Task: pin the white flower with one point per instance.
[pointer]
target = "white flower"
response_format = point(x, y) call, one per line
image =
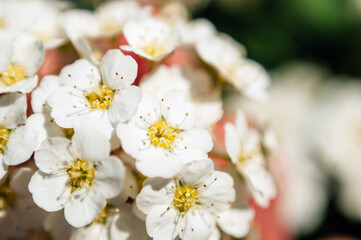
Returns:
point(19, 63)
point(150, 38)
point(88, 97)
point(161, 135)
point(18, 213)
point(77, 175)
point(37, 18)
point(187, 205)
point(243, 145)
point(84, 27)
point(197, 83)
point(228, 57)
point(18, 140)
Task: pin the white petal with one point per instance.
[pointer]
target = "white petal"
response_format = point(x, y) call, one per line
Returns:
point(177, 110)
point(163, 224)
point(260, 181)
point(44, 125)
point(158, 162)
point(53, 154)
point(12, 109)
point(155, 192)
point(49, 191)
point(196, 173)
point(232, 141)
point(195, 145)
point(6, 49)
point(21, 145)
point(236, 221)
point(118, 71)
point(24, 86)
point(83, 207)
point(124, 104)
point(29, 52)
point(219, 193)
point(148, 110)
point(81, 74)
point(90, 145)
point(68, 104)
point(95, 121)
point(39, 96)
point(198, 225)
point(109, 176)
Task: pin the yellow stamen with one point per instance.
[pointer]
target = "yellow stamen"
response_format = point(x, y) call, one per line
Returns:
point(81, 174)
point(4, 137)
point(103, 216)
point(185, 197)
point(154, 49)
point(12, 74)
point(100, 97)
point(162, 134)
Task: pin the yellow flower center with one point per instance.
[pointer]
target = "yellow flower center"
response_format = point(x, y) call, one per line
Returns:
point(100, 97)
point(12, 74)
point(245, 156)
point(7, 199)
point(103, 216)
point(185, 197)
point(4, 137)
point(69, 132)
point(81, 174)
point(162, 134)
point(154, 49)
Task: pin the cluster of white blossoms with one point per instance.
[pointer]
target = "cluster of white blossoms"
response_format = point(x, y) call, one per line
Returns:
point(123, 143)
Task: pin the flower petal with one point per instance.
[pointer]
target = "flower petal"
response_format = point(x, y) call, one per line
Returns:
point(177, 110)
point(118, 71)
point(162, 223)
point(109, 176)
point(49, 191)
point(12, 109)
point(90, 145)
point(84, 206)
point(81, 74)
point(218, 194)
point(21, 145)
point(124, 104)
point(196, 173)
point(6, 49)
point(198, 225)
point(53, 154)
point(29, 53)
point(155, 192)
point(236, 221)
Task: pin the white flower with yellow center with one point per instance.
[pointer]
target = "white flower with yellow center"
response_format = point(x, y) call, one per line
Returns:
point(97, 100)
point(197, 83)
point(150, 38)
point(161, 135)
point(18, 139)
point(188, 204)
point(19, 62)
point(77, 175)
point(243, 145)
point(228, 57)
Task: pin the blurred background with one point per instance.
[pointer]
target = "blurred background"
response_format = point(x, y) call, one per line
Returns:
point(316, 44)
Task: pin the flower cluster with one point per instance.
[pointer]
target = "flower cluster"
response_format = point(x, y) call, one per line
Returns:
point(132, 139)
